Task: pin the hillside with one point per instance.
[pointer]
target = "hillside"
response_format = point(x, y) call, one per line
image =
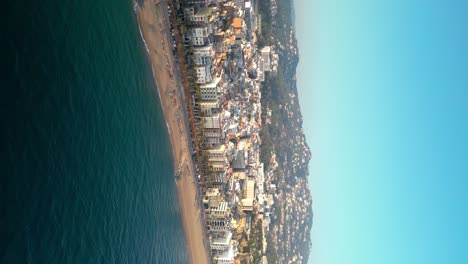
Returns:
point(284, 146)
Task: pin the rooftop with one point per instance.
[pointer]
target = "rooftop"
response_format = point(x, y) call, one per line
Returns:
point(226, 255)
point(224, 239)
point(205, 11)
point(219, 147)
point(237, 23)
point(265, 49)
point(239, 161)
point(250, 189)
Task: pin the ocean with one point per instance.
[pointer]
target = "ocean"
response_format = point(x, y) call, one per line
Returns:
point(86, 165)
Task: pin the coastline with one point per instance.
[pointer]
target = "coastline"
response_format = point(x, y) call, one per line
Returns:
point(154, 26)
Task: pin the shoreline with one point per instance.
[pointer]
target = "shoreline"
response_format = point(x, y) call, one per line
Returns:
point(153, 22)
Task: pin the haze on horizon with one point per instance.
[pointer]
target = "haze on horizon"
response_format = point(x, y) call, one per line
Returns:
point(383, 93)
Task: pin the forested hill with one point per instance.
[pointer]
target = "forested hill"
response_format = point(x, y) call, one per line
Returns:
point(284, 146)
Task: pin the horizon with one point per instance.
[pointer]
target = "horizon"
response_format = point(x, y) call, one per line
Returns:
point(382, 90)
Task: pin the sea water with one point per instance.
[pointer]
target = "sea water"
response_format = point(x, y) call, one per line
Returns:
point(86, 170)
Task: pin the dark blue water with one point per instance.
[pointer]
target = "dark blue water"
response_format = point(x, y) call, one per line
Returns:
point(86, 167)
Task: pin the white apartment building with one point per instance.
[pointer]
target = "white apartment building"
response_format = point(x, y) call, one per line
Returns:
point(218, 166)
point(217, 219)
point(218, 225)
point(226, 257)
point(197, 15)
point(210, 91)
point(217, 153)
point(265, 57)
point(214, 140)
point(220, 211)
point(203, 74)
point(203, 55)
point(199, 36)
point(247, 202)
point(222, 241)
point(212, 122)
point(209, 108)
point(202, 60)
point(206, 50)
point(212, 198)
point(213, 136)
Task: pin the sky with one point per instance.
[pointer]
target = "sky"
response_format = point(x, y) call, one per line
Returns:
point(383, 87)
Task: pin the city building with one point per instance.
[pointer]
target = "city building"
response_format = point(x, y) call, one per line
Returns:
point(211, 199)
point(197, 2)
point(198, 36)
point(196, 14)
point(249, 20)
point(217, 218)
point(203, 55)
point(217, 153)
point(222, 42)
point(210, 91)
point(213, 122)
point(265, 57)
point(238, 162)
point(203, 73)
point(219, 211)
point(209, 108)
point(247, 202)
point(226, 256)
point(221, 241)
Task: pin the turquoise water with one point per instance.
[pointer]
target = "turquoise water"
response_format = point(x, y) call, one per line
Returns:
point(86, 165)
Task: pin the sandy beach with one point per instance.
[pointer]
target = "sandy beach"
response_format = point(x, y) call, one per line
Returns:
point(154, 25)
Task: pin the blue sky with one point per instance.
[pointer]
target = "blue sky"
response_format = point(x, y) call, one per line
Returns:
point(384, 93)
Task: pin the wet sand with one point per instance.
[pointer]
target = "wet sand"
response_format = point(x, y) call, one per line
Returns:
point(154, 25)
